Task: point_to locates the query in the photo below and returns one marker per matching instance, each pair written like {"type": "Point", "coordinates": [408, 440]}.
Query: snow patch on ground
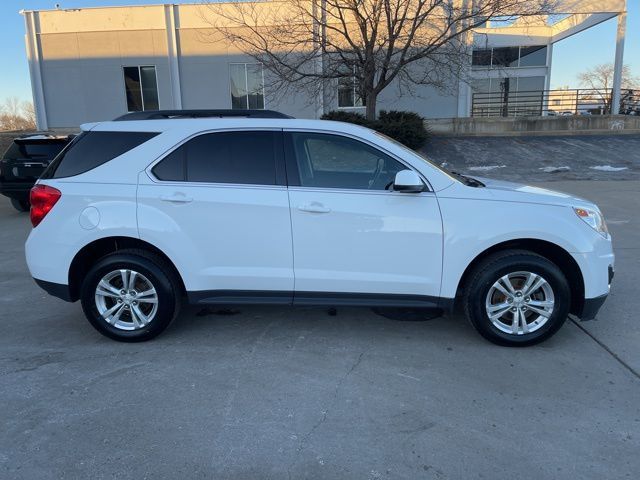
{"type": "Point", "coordinates": [608, 168]}
{"type": "Point", "coordinates": [554, 169]}
{"type": "Point", "coordinates": [485, 168]}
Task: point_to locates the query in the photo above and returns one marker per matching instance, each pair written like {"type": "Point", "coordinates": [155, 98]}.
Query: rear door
{"type": "Point", "coordinates": [218, 205]}
{"type": "Point", "coordinates": [353, 237]}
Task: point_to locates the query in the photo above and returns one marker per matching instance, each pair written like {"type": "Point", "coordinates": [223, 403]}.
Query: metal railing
{"type": "Point", "coordinates": [579, 101]}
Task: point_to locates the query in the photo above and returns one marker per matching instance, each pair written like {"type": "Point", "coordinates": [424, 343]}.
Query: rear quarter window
{"type": "Point", "coordinates": [92, 149]}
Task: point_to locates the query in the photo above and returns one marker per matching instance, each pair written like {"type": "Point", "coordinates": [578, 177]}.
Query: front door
{"type": "Point", "coordinates": [353, 237]}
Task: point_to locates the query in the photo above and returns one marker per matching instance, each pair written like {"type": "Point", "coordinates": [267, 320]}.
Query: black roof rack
{"type": "Point", "coordinates": [169, 114]}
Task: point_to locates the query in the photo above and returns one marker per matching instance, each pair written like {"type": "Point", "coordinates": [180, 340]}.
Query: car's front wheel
{"type": "Point", "coordinates": [517, 298]}
{"type": "Point", "coordinates": [130, 295]}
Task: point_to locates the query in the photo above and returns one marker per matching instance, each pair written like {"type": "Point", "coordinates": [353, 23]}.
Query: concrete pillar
{"type": "Point", "coordinates": [464, 99]}
{"type": "Point", "coordinates": [319, 39]}
{"type": "Point", "coordinates": [33, 57]}
{"type": "Point", "coordinates": [547, 81]}
{"type": "Point", "coordinates": [619, 62]}
{"type": "Point", "coordinates": [170, 14]}
{"type": "Point", "coordinates": [464, 89]}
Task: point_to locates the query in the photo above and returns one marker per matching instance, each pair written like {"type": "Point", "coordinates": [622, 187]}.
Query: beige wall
{"type": "Point", "coordinates": [82, 72]}
{"type": "Point", "coordinates": [82, 52]}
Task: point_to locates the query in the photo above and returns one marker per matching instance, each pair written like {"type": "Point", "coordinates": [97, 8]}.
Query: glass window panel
{"type": "Point", "coordinates": [533, 56]}
{"type": "Point", "coordinates": [149, 88]}
{"type": "Point", "coordinates": [332, 161]}
{"type": "Point", "coordinates": [505, 57]}
{"type": "Point", "coordinates": [41, 151]}
{"type": "Point", "coordinates": [255, 86]}
{"type": "Point", "coordinates": [481, 57]}
{"type": "Point", "coordinates": [232, 157]}
{"type": "Point", "coordinates": [346, 96]}
{"type": "Point", "coordinates": [91, 149]}
{"type": "Point", "coordinates": [481, 85]}
{"type": "Point", "coordinates": [531, 84]}
{"type": "Point", "coordinates": [237, 79]}
{"type": "Point", "coordinates": [132, 89]}
{"type": "Point", "coordinates": [528, 98]}
{"type": "Point", "coordinates": [171, 168]}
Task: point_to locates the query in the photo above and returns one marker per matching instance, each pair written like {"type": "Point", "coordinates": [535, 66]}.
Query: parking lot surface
{"type": "Point", "coordinates": [273, 393]}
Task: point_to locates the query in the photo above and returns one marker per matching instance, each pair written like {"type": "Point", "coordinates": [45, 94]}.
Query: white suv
{"type": "Point", "coordinates": [220, 207]}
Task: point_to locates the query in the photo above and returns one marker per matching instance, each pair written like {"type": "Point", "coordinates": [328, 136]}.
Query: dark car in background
{"type": "Point", "coordinates": [23, 163]}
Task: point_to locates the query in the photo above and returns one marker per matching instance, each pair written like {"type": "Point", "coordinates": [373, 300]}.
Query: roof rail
{"type": "Point", "coordinates": [170, 114]}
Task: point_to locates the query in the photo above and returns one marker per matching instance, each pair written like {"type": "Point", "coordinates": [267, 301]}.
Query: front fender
{"type": "Point", "coordinates": [472, 226]}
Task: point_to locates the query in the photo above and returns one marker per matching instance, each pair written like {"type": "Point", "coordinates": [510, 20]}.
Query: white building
{"type": "Point", "coordinates": [97, 63]}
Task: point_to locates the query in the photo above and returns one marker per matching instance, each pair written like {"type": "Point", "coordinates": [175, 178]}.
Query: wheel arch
{"type": "Point", "coordinates": [551, 251]}
{"type": "Point", "coordinates": [88, 255]}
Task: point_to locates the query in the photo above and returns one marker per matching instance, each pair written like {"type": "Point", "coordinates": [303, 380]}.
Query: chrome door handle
{"type": "Point", "coordinates": [314, 207]}
{"type": "Point", "coordinates": [176, 198]}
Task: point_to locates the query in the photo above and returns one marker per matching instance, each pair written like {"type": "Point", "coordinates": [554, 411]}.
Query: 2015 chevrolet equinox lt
{"type": "Point", "coordinates": [137, 214]}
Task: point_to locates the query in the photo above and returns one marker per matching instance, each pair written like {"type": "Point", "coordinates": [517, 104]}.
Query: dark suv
{"type": "Point", "coordinates": [23, 163]}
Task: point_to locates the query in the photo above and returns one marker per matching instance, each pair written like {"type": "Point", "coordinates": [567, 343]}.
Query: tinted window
{"type": "Point", "coordinates": [91, 149]}
{"type": "Point", "coordinates": [533, 56]}
{"type": "Point", "coordinates": [226, 157]}
{"type": "Point", "coordinates": [332, 161]}
{"type": "Point", "coordinates": [506, 56]}
{"type": "Point", "coordinates": [481, 57]}
{"type": "Point", "coordinates": [35, 150]}
{"type": "Point", "coordinates": [172, 167]}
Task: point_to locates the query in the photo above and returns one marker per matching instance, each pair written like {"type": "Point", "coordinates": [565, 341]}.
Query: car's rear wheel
{"type": "Point", "coordinates": [20, 205]}
{"type": "Point", "coordinates": [130, 295]}
{"type": "Point", "coordinates": [517, 298]}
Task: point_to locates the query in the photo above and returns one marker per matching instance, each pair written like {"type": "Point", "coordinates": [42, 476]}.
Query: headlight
{"type": "Point", "coordinates": [594, 219]}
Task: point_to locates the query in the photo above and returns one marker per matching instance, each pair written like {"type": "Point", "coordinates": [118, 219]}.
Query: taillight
{"type": "Point", "coordinates": [42, 199]}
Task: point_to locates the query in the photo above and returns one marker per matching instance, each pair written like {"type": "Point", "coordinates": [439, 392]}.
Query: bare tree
{"type": "Point", "coordinates": [29, 114]}
{"type": "Point", "coordinates": [599, 79]}
{"type": "Point", "coordinates": [17, 115]}
{"type": "Point", "coordinates": [305, 43]}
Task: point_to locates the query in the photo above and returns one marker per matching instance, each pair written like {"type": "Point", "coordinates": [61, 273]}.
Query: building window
{"type": "Point", "coordinates": [505, 57]}
{"type": "Point", "coordinates": [481, 58]}
{"type": "Point", "coordinates": [247, 85]}
{"type": "Point", "coordinates": [509, 57]}
{"type": "Point", "coordinates": [141, 88]}
{"type": "Point", "coordinates": [349, 93]}
{"type": "Point", "coordinates": [533, 56]}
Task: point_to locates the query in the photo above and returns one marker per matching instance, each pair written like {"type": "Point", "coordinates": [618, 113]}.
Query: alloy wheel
{"type": "Point", "coordinates": [520, 302]}
{"type": "Point", "coordinates": [126, 299]}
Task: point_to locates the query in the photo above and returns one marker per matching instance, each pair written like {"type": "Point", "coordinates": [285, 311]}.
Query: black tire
{"type": "Point", "coordinates": [156, 271]}
{"type": "Point", "coordinates": [483, 277]}
{"type": "Point", "coordinates": [21, 205]}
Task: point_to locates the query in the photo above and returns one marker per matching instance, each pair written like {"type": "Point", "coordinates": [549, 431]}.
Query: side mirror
{"type": "Point", "coordinates": [408, 181]}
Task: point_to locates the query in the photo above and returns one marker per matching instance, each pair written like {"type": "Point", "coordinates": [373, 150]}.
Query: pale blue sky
{"type": "Point", "coordinates": [570, 56]}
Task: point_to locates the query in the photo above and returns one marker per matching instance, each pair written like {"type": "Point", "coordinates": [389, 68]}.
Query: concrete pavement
{"type": "Point", "coordinates": [273, 393]}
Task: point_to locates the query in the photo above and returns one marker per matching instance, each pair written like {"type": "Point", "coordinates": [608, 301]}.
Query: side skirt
{"type": "Point", "coordinates": [335, 299]}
